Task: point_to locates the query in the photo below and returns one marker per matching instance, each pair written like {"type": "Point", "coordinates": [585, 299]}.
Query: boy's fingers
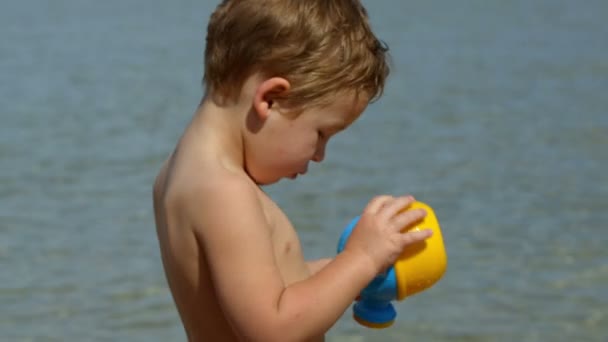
{"type": "Point", "coordinates": [377, 202]}
{"type": "Point", "coordinates": [416, 236]}
{"type": "Point", "coordinates": [408, 218]}
{"type": "Point", "coordinates": [398, 204]}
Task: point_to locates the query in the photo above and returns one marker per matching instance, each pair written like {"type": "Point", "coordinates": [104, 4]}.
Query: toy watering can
{"type": "Point", "coordinates": [419, 267]}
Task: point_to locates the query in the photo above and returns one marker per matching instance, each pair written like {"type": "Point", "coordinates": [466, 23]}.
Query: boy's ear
{"type": "Point", "coordinates": [265, 94]}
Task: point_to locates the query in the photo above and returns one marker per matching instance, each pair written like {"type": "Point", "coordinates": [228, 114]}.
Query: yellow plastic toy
{"type": "Point", "coordinates": [417, 268]}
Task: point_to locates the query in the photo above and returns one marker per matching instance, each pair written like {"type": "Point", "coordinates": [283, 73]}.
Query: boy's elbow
{"type": "Point", "coordinates": [289, 320]}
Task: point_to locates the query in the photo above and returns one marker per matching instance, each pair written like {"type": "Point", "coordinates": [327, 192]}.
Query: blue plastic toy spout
{"type": "Point", "coordinates": [374, 308]}
{"type": "Point", "coordinates": [374, 314]}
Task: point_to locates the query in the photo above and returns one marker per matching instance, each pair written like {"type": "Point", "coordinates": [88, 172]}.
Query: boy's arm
{"type": "Point", "coordinates": [315, 266]}
{"type": "Point", "coordinates": [233, 232]}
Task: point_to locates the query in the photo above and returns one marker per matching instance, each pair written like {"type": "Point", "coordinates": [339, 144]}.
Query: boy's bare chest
{"type": "Point", "coordinates": [286, 244]}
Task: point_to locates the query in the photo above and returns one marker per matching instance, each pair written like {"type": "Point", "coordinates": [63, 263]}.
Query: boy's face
{"type": "Point", "coordinates": [284, 146]}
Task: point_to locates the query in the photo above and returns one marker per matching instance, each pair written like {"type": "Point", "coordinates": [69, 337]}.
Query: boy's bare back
{"type": "Point", "coordinates": [282, 77]}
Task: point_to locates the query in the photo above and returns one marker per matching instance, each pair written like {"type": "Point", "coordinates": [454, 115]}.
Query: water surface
{"type": "Point", "coordinates": [495, 114]}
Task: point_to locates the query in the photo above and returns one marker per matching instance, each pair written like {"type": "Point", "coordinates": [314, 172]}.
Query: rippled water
{"type": "Point", "coordinates": [495, 114]}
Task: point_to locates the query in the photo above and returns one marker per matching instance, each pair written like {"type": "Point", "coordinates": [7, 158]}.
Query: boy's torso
{"type": "Point", "coordinates": [187, 271]}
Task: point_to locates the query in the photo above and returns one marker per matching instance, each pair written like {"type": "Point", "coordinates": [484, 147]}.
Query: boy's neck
{"type": "Point", "coordinates": [222, 128]}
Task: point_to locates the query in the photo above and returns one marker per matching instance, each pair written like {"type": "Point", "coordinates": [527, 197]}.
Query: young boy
{"type": "Point", "coordinates": [282, 77]}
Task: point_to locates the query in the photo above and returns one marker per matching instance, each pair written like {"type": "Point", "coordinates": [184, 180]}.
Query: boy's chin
{"type": "Point", "coordinates": [290, 177]}
{"type": "Point", "coordinates": [262, 182]}
{"type": "Point", "coordinates": [270, 181]}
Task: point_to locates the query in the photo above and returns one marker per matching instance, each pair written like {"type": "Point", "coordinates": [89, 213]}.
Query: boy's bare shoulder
{"type": "Point", "coordinates": [205, 183]}
{"type": "Point", "coordinates": [202, 194]}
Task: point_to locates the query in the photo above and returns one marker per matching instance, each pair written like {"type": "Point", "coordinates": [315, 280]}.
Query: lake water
{"type": "Point", "coordinates": [496, 114]}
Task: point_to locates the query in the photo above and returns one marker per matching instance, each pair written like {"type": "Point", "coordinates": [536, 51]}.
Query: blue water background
{"type": "Point", "coordinates": [496, 114]}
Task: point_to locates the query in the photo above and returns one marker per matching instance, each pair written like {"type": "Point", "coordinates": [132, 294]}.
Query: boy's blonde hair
{"type": "Point", "coordinates": [322, 47]}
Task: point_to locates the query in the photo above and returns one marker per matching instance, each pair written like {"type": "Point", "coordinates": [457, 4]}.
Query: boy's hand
{"type": "Point", "coordinates": [378, 233]}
